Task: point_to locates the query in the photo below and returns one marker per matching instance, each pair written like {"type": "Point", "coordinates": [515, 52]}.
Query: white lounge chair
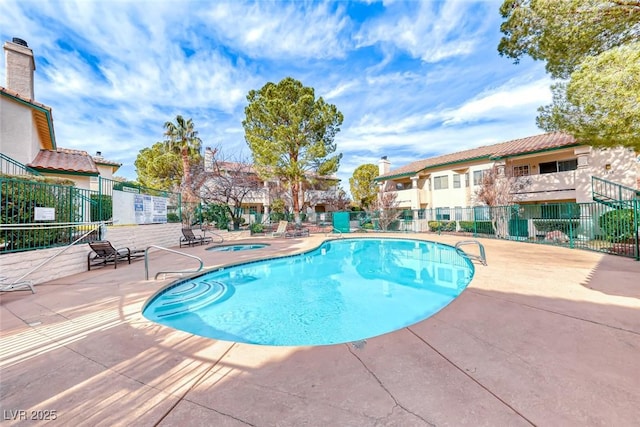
{"type": "Point", "coordinates": [281, 230]}
{"type": "Point", "coordinates": [7, 285]}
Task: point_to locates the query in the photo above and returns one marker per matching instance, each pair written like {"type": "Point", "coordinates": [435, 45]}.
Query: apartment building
{"type": "Point", "coordinates": [27, 136]}
{"type": "Point", "coordinates": [554, 167]}
{"type": "Point", "coordinates": [258, 194]}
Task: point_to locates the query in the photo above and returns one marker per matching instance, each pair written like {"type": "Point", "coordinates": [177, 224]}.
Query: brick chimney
{"type": "Point", "coordinates": [384, 165]}
{"type": "Point", "coordinates": [20, 67]}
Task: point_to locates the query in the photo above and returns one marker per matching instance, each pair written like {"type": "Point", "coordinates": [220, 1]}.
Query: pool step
{"type": "Point", "coordinates": [191, 296]}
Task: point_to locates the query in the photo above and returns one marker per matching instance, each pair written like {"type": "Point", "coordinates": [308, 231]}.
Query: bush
{"type": "Point", "coordinates": [173, 217]}
{"type": "Point", "coordinates": [482, 227]}
{"type": "Point", "coordinates": [568, 227]}
{"type": "Point", "coordinates": [442, 226]}
{"type": "Point", "coordinates": [101, 207]}
{"type": "Point", "coordinates": [256, 228]}
{"type": "Point", "coordinates": [618, 225]}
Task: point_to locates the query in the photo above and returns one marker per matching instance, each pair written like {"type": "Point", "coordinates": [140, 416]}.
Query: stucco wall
{"type": "Point", "coordinates": [74, 260]}
{"type": "Point", "coordinates": [18, 135]}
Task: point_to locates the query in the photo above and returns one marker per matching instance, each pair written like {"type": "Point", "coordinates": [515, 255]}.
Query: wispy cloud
{"type": "Point", "coordinates": [413, 79]}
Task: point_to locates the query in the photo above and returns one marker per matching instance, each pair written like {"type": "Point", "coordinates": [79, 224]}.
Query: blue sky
{"type": "Point", "coordinates": [413, 79]}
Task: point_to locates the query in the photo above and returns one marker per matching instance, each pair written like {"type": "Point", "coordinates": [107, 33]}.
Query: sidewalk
{"type": "Point", "coordinates": [543, 335]}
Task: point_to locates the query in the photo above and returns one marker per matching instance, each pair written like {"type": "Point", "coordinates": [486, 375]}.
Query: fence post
{"type": "Point", "coordinates": [100, 216]}
{"type": "Point", "coordinates": [636, 223]}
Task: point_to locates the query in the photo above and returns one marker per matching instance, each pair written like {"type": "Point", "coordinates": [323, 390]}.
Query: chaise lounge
{"type": "Point", "coordinates": [103, 253]}
{"type": "Point", "coordinates": [188, 238]}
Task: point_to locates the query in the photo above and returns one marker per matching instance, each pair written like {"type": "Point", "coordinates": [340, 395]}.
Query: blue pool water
{"type": "Point", "coordinates": [240, 247]}
{"type": "Point", "coordinates": [345, 290]}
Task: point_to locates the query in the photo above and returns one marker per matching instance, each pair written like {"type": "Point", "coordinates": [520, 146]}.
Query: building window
{"type": "Point", "coordinates": [521, 170]}
{"type": "Point", "coordinates": [443, 214]}
{"type": "Point", "coordinates": [561, 166]}
{"type": "Point", "coordinates": [478, 176]}
{"type": "Point", "coordinates": [401, 186]}
{"type": "Point", "coordinates": [456, 180]}
{"type": "Point", "coordinates": [441, 182]}
{"type": "Point", "coordinates": [466, 179]}
{"type": "Point", "coordinates": [458, 213]}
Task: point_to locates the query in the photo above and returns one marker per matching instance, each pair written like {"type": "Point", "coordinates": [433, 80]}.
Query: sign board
{"type": "Point", "coordinates": [132, 208]}
{"type": "Point", "coordinates": [130, 190]}
{"type": "Point", "coordinates": [44, 214]}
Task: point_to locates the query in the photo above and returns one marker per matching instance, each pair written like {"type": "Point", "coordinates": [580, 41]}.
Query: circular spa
{"type": "Point", "coordinates": [345, 290]}
{"type": "Point", "coordinates": [237, 247]}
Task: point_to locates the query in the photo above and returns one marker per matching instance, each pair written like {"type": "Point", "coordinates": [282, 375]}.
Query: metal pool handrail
{"type": "Point", "coordinates": [333, 230]}
{"type": "Point", "coordinates": [146, 262]}
{"type": "Point", "coordinates": [481, 257]}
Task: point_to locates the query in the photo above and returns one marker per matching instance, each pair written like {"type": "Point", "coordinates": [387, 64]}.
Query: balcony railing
{"type": "Point", "coordinates": [549, 182]}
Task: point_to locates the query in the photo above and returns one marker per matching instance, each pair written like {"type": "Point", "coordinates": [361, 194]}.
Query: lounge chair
{"type": "Point", "coordinates": [103, 253]}
{"type": "Point", "coordinates": [281, 230]}
{"type": "Point", "coordinates": [188, 238]}
{"type": "Point", "coordinates": [7, 285]}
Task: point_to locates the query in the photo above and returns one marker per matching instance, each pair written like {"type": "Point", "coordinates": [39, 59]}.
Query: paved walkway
{"type": "Point", "coordinates": [542, 336]}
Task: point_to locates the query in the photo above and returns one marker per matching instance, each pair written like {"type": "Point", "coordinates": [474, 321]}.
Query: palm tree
{"type": "Point", "coordinates": [183, 139]}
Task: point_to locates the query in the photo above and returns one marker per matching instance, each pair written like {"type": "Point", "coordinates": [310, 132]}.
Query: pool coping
{"type": "Point", "coordinates": [541, 336]}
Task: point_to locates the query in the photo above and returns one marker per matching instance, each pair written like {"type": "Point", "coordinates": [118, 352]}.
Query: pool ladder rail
{"type": "Point", "coordinates": [146, 262]}
{"type": "Point", "coordinates": [481, 256]}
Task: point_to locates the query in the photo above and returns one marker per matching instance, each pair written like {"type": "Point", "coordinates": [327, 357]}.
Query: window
{"type": "Point", "coordinates": [568, 165]}
{"type": "Point", "coordinates": [456, 180]}
{"type": "Point", "coordinates": [466, 179]}
{"type": "Point", "coordinates": [458, 213]}
{"type": "Point", "coordinates": [561, 166]}
{"type": "Point", "coordinates": [521, 170]}
{"type": "Point", "coordinates": [443, 214]}
{"type": "Point", "coordinates": [479, 175]}
{"type": "Point", "coordinates": [400, 186]}
{"type": "Point", "coordinates": [441, 182]}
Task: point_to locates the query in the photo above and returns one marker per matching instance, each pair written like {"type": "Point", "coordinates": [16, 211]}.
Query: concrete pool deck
{"type": "Point", "coordinates": [542, 336]}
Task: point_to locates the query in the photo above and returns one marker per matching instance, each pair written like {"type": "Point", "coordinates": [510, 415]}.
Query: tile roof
{"type": "Point", "coordinates": [65, 160]}
{"type": "Point", "coordinates": [102, 161]}
{"type": "Point", "coordinates": [530, 144]}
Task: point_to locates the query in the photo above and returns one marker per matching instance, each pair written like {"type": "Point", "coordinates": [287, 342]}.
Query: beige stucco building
{"type": "Point", "coordinates": [27, 137]}
{"type": "Point", "coordinates": [555, 166]}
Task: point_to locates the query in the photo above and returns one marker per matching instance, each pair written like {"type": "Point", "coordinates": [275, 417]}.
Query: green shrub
{"type": "Point", "coordinates": [482, 227]}
{"type": "Point", "coordinates": [101, 207]}
{"type": "Point", "coordinates": [566, 226]}
{"type": "Point", "coordinates": [442, 226]}
{"type": "Point", "coordinates": [173, 217]}
{"type": "Point", "coordinates": [618, 225]}
{"type": "Point", "coordinates": [18, 200]}
{"type": "Point", "coordinates": [256, 228]}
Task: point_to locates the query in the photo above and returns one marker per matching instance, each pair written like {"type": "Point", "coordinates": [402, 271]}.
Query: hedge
{"type": "Point", "coordinates": [618, 225]}
{"type": "Point", "coordinates": [442, 225]}
{"type": "Point", "coordinates": [482, 227]}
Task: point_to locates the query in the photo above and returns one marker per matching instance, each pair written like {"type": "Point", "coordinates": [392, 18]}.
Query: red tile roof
{"type": "Point", "coordinates": [515, 147]}
{"type": "Point", "coordinates": [65, 160]}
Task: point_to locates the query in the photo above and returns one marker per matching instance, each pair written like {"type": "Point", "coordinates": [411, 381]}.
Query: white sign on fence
{"type": "Point", "coordinates": [44, 214]}
{"type": "Point", "coordinates": [130, 208]}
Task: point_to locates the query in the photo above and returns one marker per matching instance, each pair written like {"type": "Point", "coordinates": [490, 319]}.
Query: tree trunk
{"type": "Point", "coordinates": [295, 186]}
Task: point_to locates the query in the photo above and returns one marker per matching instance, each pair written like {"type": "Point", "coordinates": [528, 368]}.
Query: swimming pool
{"type": "Point", "coordinates": [238, 247]}
{"type": "Point", "coordinates": [345, 290]}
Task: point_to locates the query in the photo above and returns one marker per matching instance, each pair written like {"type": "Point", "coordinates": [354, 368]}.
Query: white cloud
{"type": "Point", "coordinates": [429, 30]}
{"type": "Point", "coordinates": [414, 80]}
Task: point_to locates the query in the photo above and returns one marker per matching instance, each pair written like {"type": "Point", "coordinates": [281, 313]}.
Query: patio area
{"type": "Point", "coordinates": [542, 336]}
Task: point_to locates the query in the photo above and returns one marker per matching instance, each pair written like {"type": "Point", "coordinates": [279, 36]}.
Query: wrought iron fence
{"type": "Point", "coordinates": [36, 215]}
